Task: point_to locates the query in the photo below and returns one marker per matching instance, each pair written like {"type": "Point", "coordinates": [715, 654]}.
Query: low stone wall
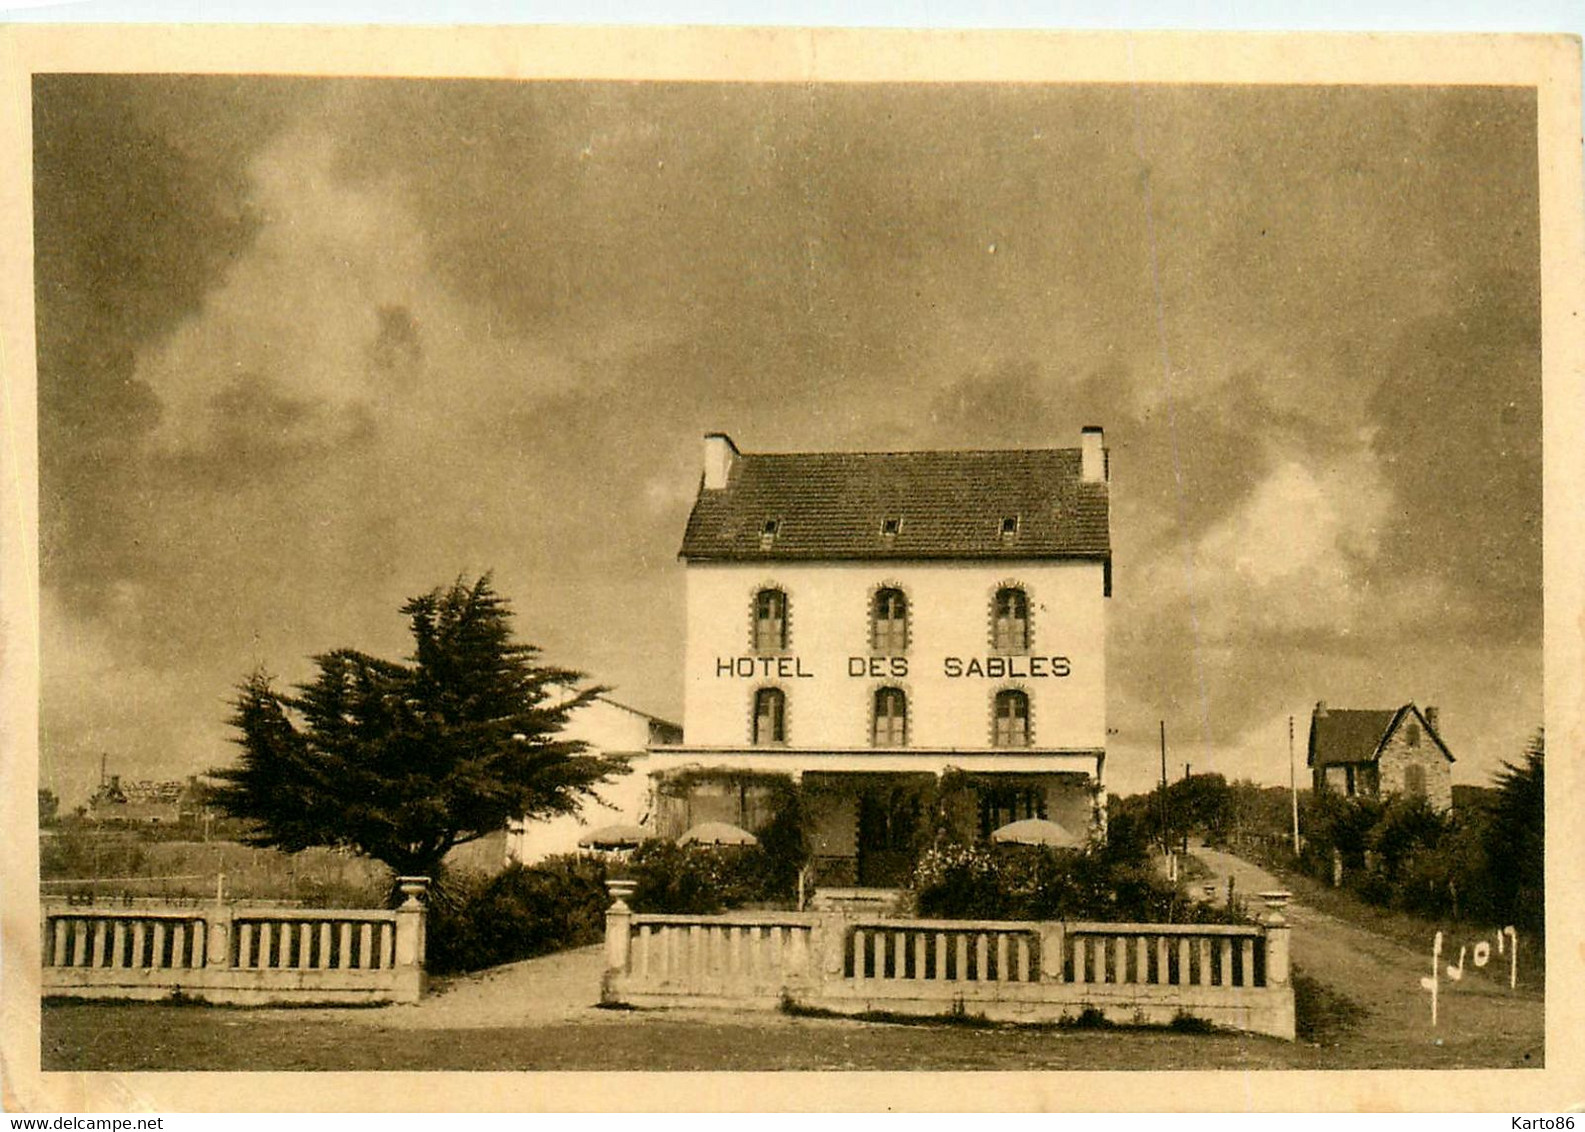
{"type": "Point", "coordinates": [238, 954]}
{"type": "Point", "coordinates": [1234, 976]}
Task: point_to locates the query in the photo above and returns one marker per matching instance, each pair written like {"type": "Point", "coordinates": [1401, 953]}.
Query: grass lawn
{"type": "Point", "coordinates": [134, 1037]}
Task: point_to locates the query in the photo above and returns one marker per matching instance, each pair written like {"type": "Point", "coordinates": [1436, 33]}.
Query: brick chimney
{"type": "Point", "coordinates": [1432, 718]}
{"type": "Point", "coordinates": [1092, 454]}
{"type": "Point", "coordinates": [719, 454]}
{"type": "Point", "coordinates": [1320, 709]}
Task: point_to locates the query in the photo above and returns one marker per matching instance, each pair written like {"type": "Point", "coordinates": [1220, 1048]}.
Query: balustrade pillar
{"type": "Point", "coordinates": [407, 953]}
{"type": "Point", "coordinates": [618, 924]}
{"type": "Point", "coordinates": [1051, 946]}
{"type": "Point", "coordinates": [828, 940]}
{"type": "Point", "coordinates": [218, 951]}
{"type": "Point", "coordinates": [1277, 930]}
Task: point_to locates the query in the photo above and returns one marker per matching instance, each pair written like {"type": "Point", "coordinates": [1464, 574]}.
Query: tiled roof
{"type": "Point", "coordinates": [949, 505]}
{"type": "Point", "coordinates": [1344, 735]}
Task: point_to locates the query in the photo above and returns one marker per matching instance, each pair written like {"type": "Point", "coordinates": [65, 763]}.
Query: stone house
{"type": "Point", "coordinates": [1379, 753]}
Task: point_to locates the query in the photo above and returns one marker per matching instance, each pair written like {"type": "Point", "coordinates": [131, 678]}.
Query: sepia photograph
{"type": "Point", "coordinates": [761, 560]}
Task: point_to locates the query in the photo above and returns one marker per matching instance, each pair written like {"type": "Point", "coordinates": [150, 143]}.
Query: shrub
{"type": "Point", "coordinates": [1038, 883]}
{"type": "Point", "coordinates": [1471, 890]}
{"type": "Point", "coordinates": [958, 882]}
{"type": "Point", "coordinates": [1406, 825]}
{"type": "Point", "coordinates": [700, 879]}
{"type": "Point", "coordinates": [1090, 1018]}
{"type": "Point", "coordinates": [1341, 824]}
{"type": "Point", "coordinates": [477, 921]}
{"type": "Point", "coordinates": [1374, 887]}
{"type": "Point", "coordinates": [673, 878]}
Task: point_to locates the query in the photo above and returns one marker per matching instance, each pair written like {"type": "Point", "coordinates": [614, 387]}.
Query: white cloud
{"type": "Point", "coordinates": [1301, 527]}
{"type": "Point", "coordinates": [1293, 557]}
{"type": "Point", "coordinates": [300, 312]}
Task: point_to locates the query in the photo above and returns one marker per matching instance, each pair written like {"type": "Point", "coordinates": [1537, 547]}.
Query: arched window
{"type": "Point", "coordinates": [1010, 622]}
{"type": "Point", "coordinates": [889, 622]}
{"type": "Point", "coordinates": [770, 716]}
{"type": "Point", "coordinates": [1012, 719]}
{"type": "Point", "coordinates": [891, 718]}
{"type": "Point", "coordinates": [770, 621]}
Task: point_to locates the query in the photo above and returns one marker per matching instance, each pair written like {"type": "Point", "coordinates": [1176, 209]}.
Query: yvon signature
{"type": "Point", "coordinates": [1507, 944]}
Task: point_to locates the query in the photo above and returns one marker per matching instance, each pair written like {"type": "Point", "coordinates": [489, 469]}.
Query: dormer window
{"type": "Point", "coordinates": [1009, 526]}
{"type": "Point", "coordinates": [768, 532]}
{"type": "Point", "coordinates": [890, 526]}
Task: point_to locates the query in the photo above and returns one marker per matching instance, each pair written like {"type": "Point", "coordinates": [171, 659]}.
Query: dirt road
{"type": "Point", "coordinates": [1480, 1020]}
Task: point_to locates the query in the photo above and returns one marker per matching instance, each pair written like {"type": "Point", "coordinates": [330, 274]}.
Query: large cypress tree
{"type": "Point", "coordinates": [405, 761]}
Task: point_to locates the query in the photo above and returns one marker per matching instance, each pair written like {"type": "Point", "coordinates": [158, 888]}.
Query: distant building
{"type": "Point", "coordinates": [145, 802]}
{"type": "Point", "coordinates": [1379, 753]}
{"type": "Point", "coordinates": [611, 729]}
{"type": "Point", "coordinates": [863, 622]}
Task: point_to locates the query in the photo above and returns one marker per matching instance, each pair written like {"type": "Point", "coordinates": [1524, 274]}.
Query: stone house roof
{"type": "Point", "coordinates": [1343, 736]}
{"type": "Point", "coordinates": [989, 504]}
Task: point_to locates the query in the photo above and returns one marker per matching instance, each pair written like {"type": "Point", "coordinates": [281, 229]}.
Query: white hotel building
{"type": "Point", "coordinates": [862, 622]}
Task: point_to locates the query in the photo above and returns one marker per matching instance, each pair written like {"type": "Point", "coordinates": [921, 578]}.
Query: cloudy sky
{"type": "Point", "coordinates": [307, 348]}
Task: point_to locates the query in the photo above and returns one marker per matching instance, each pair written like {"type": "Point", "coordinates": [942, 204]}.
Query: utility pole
{"type": "Point", "coordinates": [1293, 788]}
{"type": "Point", "coordinates": [1188, 800]}
{"type": "Point", "coordinates": [1163, 724]}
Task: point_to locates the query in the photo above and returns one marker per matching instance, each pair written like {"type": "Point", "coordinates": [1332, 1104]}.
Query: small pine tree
{"type": "Point", "coordinates": [405, 761]}
{"type": "Point", "coordinates": [1516, 837]}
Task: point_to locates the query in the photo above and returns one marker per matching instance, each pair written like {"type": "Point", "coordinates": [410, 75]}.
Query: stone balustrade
{"type": "Point", "coordinates": [1233, 975]}
{"type": "Point", "coordinates": [237, 953]}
